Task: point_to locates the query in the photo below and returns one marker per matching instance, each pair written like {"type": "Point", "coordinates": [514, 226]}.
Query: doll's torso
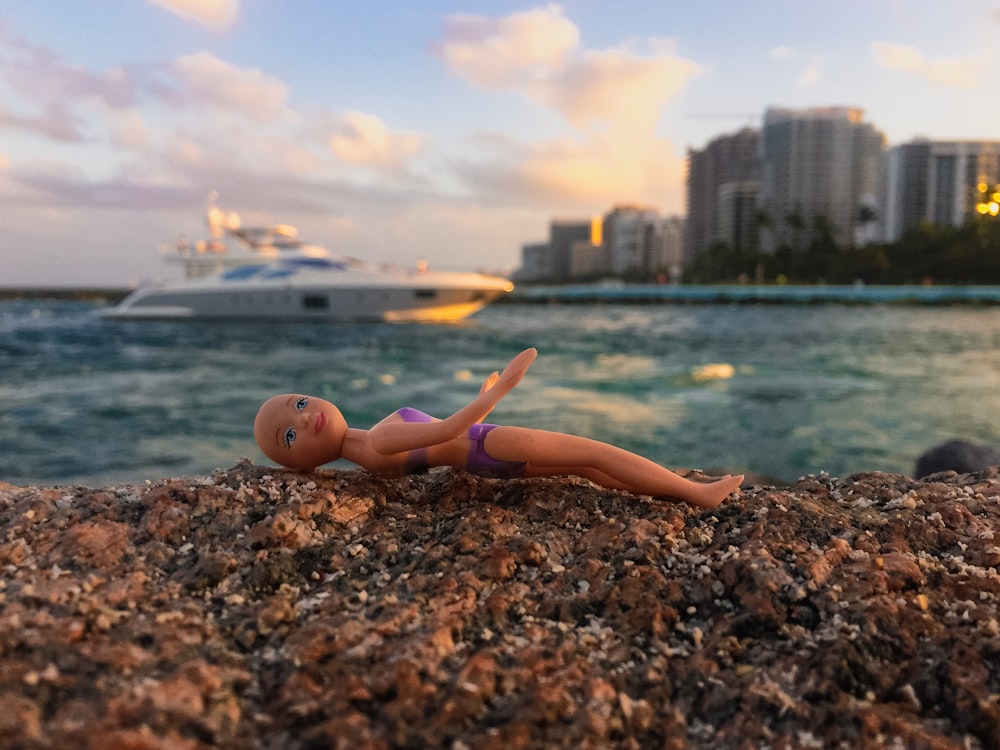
{"type": "Point", "coordinates": [477, 460]}
{"type": "Point", "coordinates": [416, 461]}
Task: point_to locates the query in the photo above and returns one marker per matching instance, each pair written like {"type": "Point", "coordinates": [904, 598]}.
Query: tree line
{"type": "Point", "coordinates": [928, 253]}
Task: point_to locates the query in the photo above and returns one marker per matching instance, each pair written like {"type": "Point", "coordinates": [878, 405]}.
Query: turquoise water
{"type": "Point", "coordinates": [813, 388]}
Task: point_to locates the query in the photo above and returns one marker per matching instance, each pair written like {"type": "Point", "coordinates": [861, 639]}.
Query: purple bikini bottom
{"type": "Point", "coordinates": [482, 463]}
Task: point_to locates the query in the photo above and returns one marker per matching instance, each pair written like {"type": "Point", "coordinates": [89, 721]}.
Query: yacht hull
{"type": "Point", "coordinates": [311, 302]}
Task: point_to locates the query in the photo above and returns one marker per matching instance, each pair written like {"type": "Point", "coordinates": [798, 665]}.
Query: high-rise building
{"type": "Point", "coordinates": [627, 238]}
{"type": "Point", "coordinates": [725, 162]}
{"type": "Point", "coordinates": [563, 235]}
{"type": "Point", "coordinates": [736, 221]}
{"type": "Point", "coordinates": [536, 262]}
{"type": "Point", "coordinates": [666, 247]}
{"type": "Point", "coordinates": [819, 164]}
{"type": "Point", "coordinates": [574, 250]}
{"type": "Point", "coordinates": [587, 260]}
{"type": "Point", "coordinates": [936, 181]}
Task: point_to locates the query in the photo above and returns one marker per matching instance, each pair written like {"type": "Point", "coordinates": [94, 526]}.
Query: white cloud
{"type": "Point", "coordinates": [215, 83]}
{"type": "Point", "coordinates": [56, 122]}
{"type": "Point", "coordinates": [495, 53]}
{"type": "Point", "coordinates": [129, 130]}
{"type": "Point", "coordinates": [968, 73]}
{"type": "Point", "coordinates": [210, 149]}
{"type": "Point", "coordinates": [44, 95]}
{"type": "Point", "coordinates": [537, 53]}
{"type": "Point", "coordinates": [186, 118]}
{"type": "Point", "coordinates": [361, 138]}
{"type": "Point", "coordinates": [616, 85]}
{"type": "Point", "coordinates": [897, 56]}
{"type": "Point", "coordinates": [217, 15]}
{"type": "Point", "coordinates": [960, 73]}
{"type": "Point", "coordinates": [574, 174]}
{"type": "Point", "coordinates": [811, 75]}
{"type": "Point", "coordinates": [605, 171]}
{"type": "Point", "coordinates": [781, 53]}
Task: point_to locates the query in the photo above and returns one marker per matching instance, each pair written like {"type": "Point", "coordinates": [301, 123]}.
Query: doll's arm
{"type": "Point", "coordinates": [491, 380]}
{"type": "Point", "coordinates": [389, 437]}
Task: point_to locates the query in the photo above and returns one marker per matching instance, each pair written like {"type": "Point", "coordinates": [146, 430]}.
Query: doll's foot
{"type": "Point", "coordinates": [711, 494]}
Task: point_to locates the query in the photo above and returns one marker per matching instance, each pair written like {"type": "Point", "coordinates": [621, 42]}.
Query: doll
{"type": "Point", "coordinates": [303, 432]}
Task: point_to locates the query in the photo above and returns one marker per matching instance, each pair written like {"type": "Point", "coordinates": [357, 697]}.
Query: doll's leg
{"type": "Point", "coordinates": [553, 453]}
{"type": "Point", "coordinates": [700, 494]}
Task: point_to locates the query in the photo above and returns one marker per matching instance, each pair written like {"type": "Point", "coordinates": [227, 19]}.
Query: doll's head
{"type": "Point", "coordinates": [300, 432]}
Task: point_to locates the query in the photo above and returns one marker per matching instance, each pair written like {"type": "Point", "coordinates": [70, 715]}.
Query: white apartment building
{"type": "Point", "coordinates": [819, 162]}
{"type": "Point", "coordinates": [626, 236]}
{"type": "Point", "coordinates": [935, 181]}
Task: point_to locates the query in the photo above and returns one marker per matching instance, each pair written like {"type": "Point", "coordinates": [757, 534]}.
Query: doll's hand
{"type": "Point", "coordinates": [489, 382]}
{"type": "Point", "coordinates": [516, 368]}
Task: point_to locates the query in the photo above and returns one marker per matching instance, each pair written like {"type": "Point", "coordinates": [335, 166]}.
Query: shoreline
{"type": "Point", "coordinates": [70, 294]}
{"type": "Point", "coordinates": [762, 294]}
{"type": "Point", "coordinates": [650, 294]}
{"type": "Point", "coordinates": [260, 608]}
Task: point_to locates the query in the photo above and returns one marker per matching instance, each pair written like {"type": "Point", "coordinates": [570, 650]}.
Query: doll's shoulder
{"type": "Point", "coordinates": [409, 414]}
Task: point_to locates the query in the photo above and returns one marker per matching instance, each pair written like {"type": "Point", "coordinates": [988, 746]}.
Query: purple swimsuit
{"type": "Point", "coordinates": [479, 462]}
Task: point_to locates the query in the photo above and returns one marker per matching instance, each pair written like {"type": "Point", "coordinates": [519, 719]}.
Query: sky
{"type": "Point", "coordinates": [430, 129]}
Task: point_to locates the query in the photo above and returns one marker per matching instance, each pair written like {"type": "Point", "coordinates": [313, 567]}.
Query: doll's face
{"type": "Point", "coordinates": [300, 432]}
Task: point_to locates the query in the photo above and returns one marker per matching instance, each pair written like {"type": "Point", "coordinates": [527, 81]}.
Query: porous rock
{"type": "Point", "coordinates": [260, 608]}
{"type": "Point", "coordinates": [960, 456]}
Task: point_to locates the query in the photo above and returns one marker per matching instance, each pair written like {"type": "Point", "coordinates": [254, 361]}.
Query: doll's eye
{"type": "Point", "coordinates": [301, 403]}
{"type": "Point", "coordinates": [289, 437]}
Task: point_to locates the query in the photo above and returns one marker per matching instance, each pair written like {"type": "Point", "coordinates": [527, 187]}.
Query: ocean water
{"type": "Point", "coordinates": [801, 389]}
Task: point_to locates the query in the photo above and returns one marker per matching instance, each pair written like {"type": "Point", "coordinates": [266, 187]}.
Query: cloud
{"type": "Point", "coordinates": [575, 174]}
{"type": "Point", "coordinates": [55, 122]}
{"type": "Point", "coordinates": [897, 56]}
{"type": "Point", "coordinates": [129, 130]}
{"type": "Point", "coordinates": [497, 53]}
{"type": "Point", "coordinates": [603, 172]}
{"type": "Point", "coordinates": [618, 85]}
{"type": "Point", "coordinates": [217, 15]}
{"type": "Point", "coordinates": [612, 98]}
{"type": "Point", "coordinates": [781, 53]}
{"type": "Point", "coordinates": [183, 118]}
{"type": "Point", "coordinates": [967, 73]}
{"type": "Point", "coordinates": [811, 75]}
{"type": "Point", "coordinates": [364, 139]}
{"type": "Point", "coordinates": [538, 54]}
{"type": "Point", "coordinates": [42, 75]}
{"type": "Point", "coordinates": [215, 83]}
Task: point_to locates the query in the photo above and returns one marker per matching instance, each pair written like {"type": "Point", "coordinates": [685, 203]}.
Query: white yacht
{"type": "Point", "coordinates": [270, 273]}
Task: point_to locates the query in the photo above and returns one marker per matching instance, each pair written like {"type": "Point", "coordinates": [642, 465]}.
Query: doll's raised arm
{"type": "Point", "coordinates": [398, 437]}
{"type": "Point", "coordinates": [491, 380]}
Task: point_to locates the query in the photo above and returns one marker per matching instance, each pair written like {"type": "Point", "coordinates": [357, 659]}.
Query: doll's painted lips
{"type": "Point", "coordinates": [320, 423]}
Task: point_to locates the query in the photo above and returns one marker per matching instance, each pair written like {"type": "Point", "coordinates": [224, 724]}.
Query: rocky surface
{"type": "Point", "coordinates": [267, 609]}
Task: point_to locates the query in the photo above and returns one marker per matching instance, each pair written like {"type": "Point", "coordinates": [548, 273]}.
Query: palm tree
{"type": "Point", "coordinates": [796, 223]}
{"type": "Point", "coordinates": [866, 215]}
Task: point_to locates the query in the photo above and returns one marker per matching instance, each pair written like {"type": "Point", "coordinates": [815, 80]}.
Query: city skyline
{"type": "Point", "coordinates": [448, 131]}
